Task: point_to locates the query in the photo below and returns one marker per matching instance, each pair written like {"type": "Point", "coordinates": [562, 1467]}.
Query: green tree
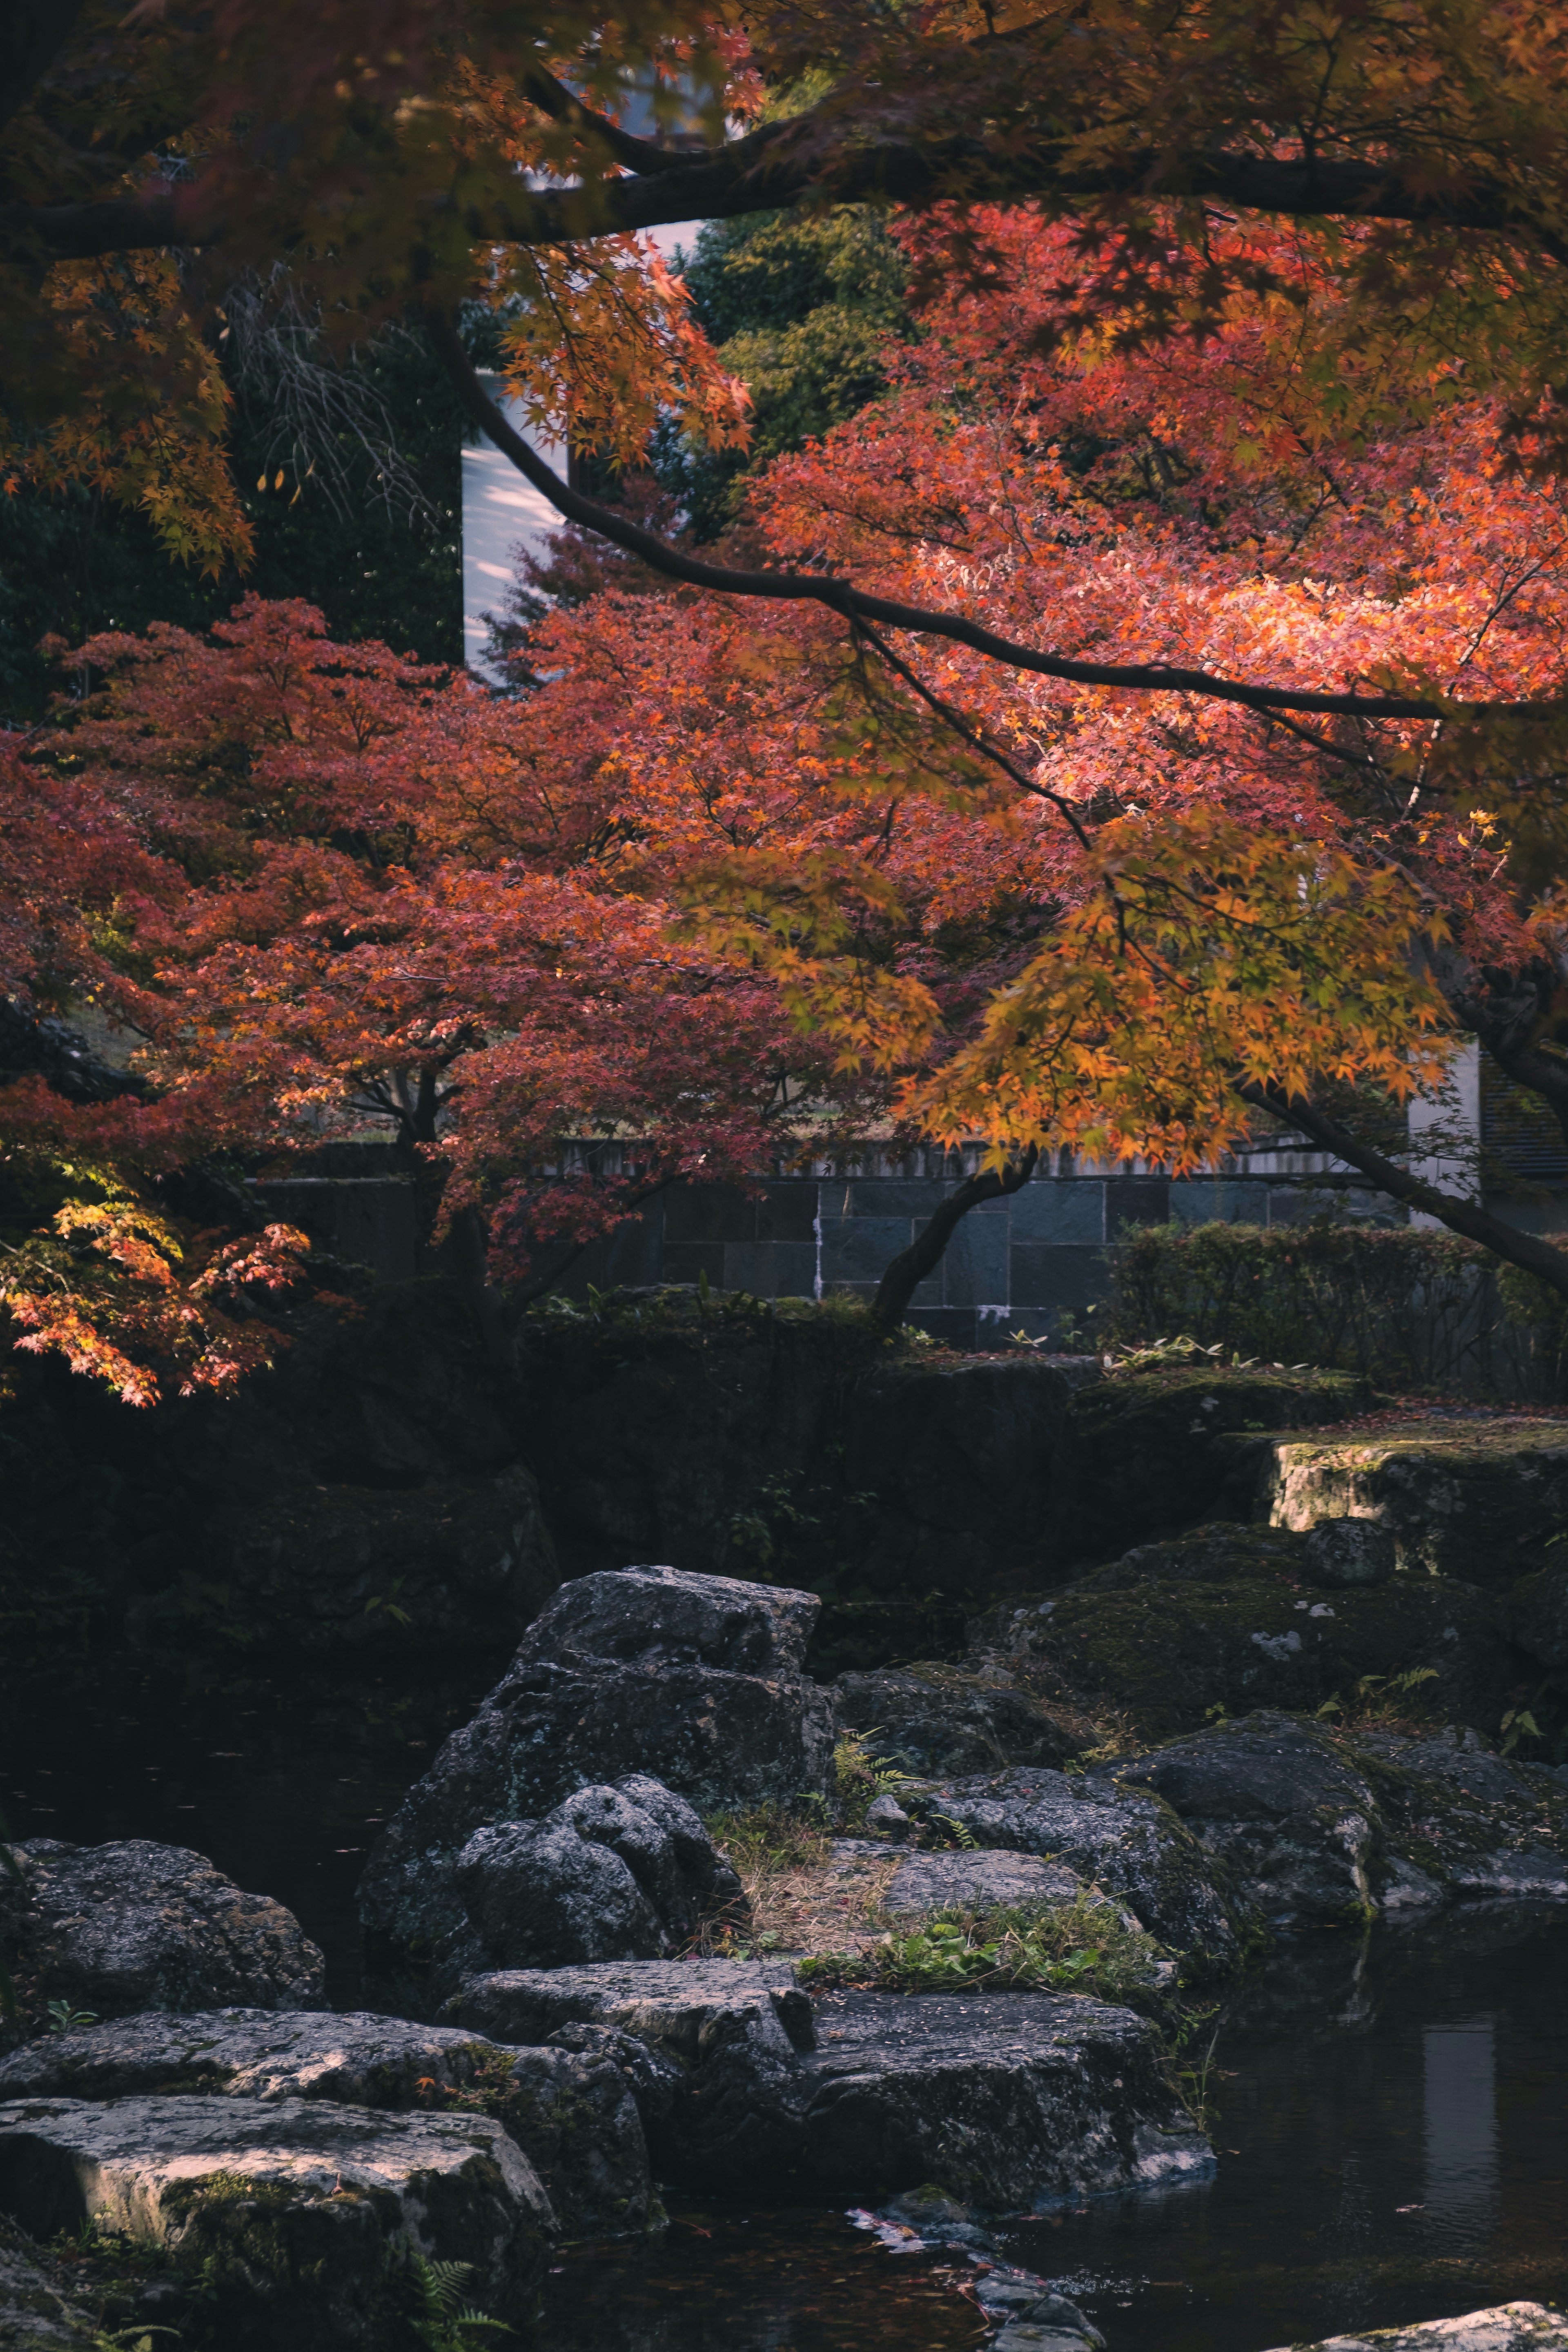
{"type": "Point", "coordinates": [800, 307]}
{"type": "Point", "coordinates": [374, 537]}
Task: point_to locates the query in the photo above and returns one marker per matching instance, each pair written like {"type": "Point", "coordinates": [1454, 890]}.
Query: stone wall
{"type": "Point", "coordinates": [1025, 1263]}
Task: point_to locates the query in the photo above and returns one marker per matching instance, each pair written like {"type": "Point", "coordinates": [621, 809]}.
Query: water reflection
{"type": "Point", "coordinates": [1461, 2128]}
{"type": "Point", "coordinates": [1393, 2139]}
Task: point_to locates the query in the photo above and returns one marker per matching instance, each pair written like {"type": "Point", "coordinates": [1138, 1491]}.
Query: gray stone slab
{"type": "Point", "coordinates": [709, 1212]}
{"type": "Point", "coordinates": [1135, 1201]}
{"type": "Point", "coordinates": [1203, 1200]}
{"type": "Point", "coordinates": [860, 1249]}
{"type": "Point", "coordinates": [1061, 1210]}
{"type": "Point", "coordinates": [787, 1210]}
{"type": "Point", "coordinates": [1046, 1276]}
{"type": "Point", "coordinates": [573, 2113]}
{"type": "Point", "coordinates": [679, 2004]}
{"type": "Point", "coordinates": [771, 1269]}
{"type": "Point", "coordinates": [894, 1196]}
{"type": "Point", "coordinates": [296, 2208]}
{"type": "Point", "coordinates": [690, 1261]}
{"type": "Point", "coordinates": [974, 1263]}
{"type": "Point", "coordinates": [933, 1882]}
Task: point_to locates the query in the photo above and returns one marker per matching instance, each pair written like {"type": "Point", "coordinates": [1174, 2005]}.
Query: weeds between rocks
{"type": "Point", "coordinates": [1085, 1946]}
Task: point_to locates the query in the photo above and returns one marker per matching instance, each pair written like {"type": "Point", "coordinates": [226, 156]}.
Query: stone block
{"type": "Point", "coordinates": [1227, 1201]}
{"type": "Point", "coordinates": [1061, 1278]}
{"type": "Point", "coordinates": [771, 1269]}
{"type": "Point", "coordinates": [709, 1212]}
{"type": "Point", "coordinates": [894, 1196]}
{"type": "Point", "coordinates": [787, 1210]}
{"type": "Point", "coordinates": [974, 1264]}
{"type": "Point", "coordinates": [690, 1261]}
{"type": "Point", "coordinates": [1060, 1209]}
{"type": "Point", "coordinates": [296, 2211]}
{"type": "Point", "coordinates": [1135, 1201]}
{"type": "Point", "coordinates": [859, 1249]}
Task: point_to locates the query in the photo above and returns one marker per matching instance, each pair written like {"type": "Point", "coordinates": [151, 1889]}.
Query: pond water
{"type": "Point", "coordinates": [1391, 2115]}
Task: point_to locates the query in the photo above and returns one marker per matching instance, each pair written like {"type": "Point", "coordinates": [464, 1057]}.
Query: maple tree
{"type": "Point", "coordinates": [439, 154]}
{"type": "Point", "coordinates": [1217, 908]}
{"type": "Point", "coordinates": [333, 884]}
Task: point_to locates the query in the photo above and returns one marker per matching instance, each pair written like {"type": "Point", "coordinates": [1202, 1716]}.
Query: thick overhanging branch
{"type": "Point", "coordinates": [1527, 1251]}
{"type": "Point", "coordinates": [855, 603]}
{"type": "Point", "coordinates": [780, 164]}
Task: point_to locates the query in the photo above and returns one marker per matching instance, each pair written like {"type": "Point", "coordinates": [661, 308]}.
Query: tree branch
{"type": "Point", "coordinates": [779, 164]}
{"type": "Point", "coordinates": [1515, 1248]}
{"type": "Point", "coordinates": [855, 604]}
{"type": "Point", "coordinates": [910, 1268]}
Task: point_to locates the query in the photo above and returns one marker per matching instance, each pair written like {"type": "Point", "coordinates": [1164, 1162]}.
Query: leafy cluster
{"type": "Point", "coordinates": [1085, 1946]}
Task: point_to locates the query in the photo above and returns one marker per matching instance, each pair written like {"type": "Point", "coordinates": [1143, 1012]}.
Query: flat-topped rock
{"type": "Point", "coordinates": [1504, 2327]}
{"type": "Point", "coordinates": [985, 1880]}
{"type": "Point", "coordinates": [134, 1925]}
{"type": "Point", "coordinates": [1124, 1839]}
{"type": "Point", "coordinates": [572, 2112]}
{"type": "Point", "coordinates": [667, 1616]}
{"type": "Point", "coordinates": [1009, 2098]}
{"type": "Point", "coordinates": [1480, 1501]}
{"type": "Point", "coordinates": [684, 2005]}
{"type": "Point", "coordinates": [297, 2211]}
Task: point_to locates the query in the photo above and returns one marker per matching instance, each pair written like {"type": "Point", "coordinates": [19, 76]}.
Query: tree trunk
{"type": "Point", "coordinates": [1528, 1250]}
{"type": "Point", "coordinates": [911, 1268]}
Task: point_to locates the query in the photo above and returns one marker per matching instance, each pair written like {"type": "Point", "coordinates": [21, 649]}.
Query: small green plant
{"type": "Point", "coordinates": [441, 2318]}
{"type": "Point", "coordinates": [1377, 1698]}
{"type": "Point", "coordinates": [769, 1839]}
{"type": "Point", "coordinates": [388, 1601]}
{"type": "Point", "coordinates": [1085, 1946]}
{"type": "Point", "coordinates": [64, 2019]}
{"type": "Point", "coordinates": [952, 1832]}
{"type": "Point", "coordinates": [1191, 2077]}
{"type": "Point", "coordinates": [860, 1777]}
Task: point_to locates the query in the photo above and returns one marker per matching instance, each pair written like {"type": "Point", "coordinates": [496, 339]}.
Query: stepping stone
{"type": "Point", "coordinates": [1505, 2327]}
{"type": "Point", "coordinates": [1009, 2100]}
{"type": "Point", "coordinates": [573, 2113]}
{"type": "Point", "coordinates": [302, 2212]}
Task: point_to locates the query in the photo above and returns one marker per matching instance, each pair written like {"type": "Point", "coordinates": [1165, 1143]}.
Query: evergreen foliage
{"type": "Point", "coordinates": [74, 564]}
{"type": "Point", "coordinates": [799, 306]}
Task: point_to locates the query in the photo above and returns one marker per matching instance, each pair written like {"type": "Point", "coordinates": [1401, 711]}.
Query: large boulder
{"type": "Point", "coordinates": [571, 2111]}
{"type": "Point", "coordinates": [1504, 2328]}
{"type": "Point", "coordinates": [1126, 1840]}
{"type": "Point", "coordinates": [693, 1681]}
{"type": "Point", "coordinates": [1229, 1618]}
{"type": "Point", "coordinates": [133, 1925]}
{"type": "Point", "coordinates": [1476, 1501]}
{"type": "Point", "coordinates": [298, 2213]}
{"type": "Point", "coordinates": [1008, 2099]}
{"type": "Point", "coordinates": [1318, 1828]}
{"type": "Point", "coordinates": [619, 1873]}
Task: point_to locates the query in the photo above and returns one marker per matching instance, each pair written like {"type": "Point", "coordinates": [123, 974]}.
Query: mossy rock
{"type": "Point", "coordinates": [1481, 1501]}
{"type": "Point", "coordinates": [1149, 1452]}
{"type": "Point", "coordinates": [1169, 1654]}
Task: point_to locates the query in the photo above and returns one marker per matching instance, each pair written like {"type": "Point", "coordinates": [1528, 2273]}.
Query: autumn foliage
{"type": "Point", "coordinates": [735, 885]}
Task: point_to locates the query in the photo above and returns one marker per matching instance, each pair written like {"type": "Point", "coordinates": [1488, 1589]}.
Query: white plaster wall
{"type": "Point", "coordinates": [502, 512]}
